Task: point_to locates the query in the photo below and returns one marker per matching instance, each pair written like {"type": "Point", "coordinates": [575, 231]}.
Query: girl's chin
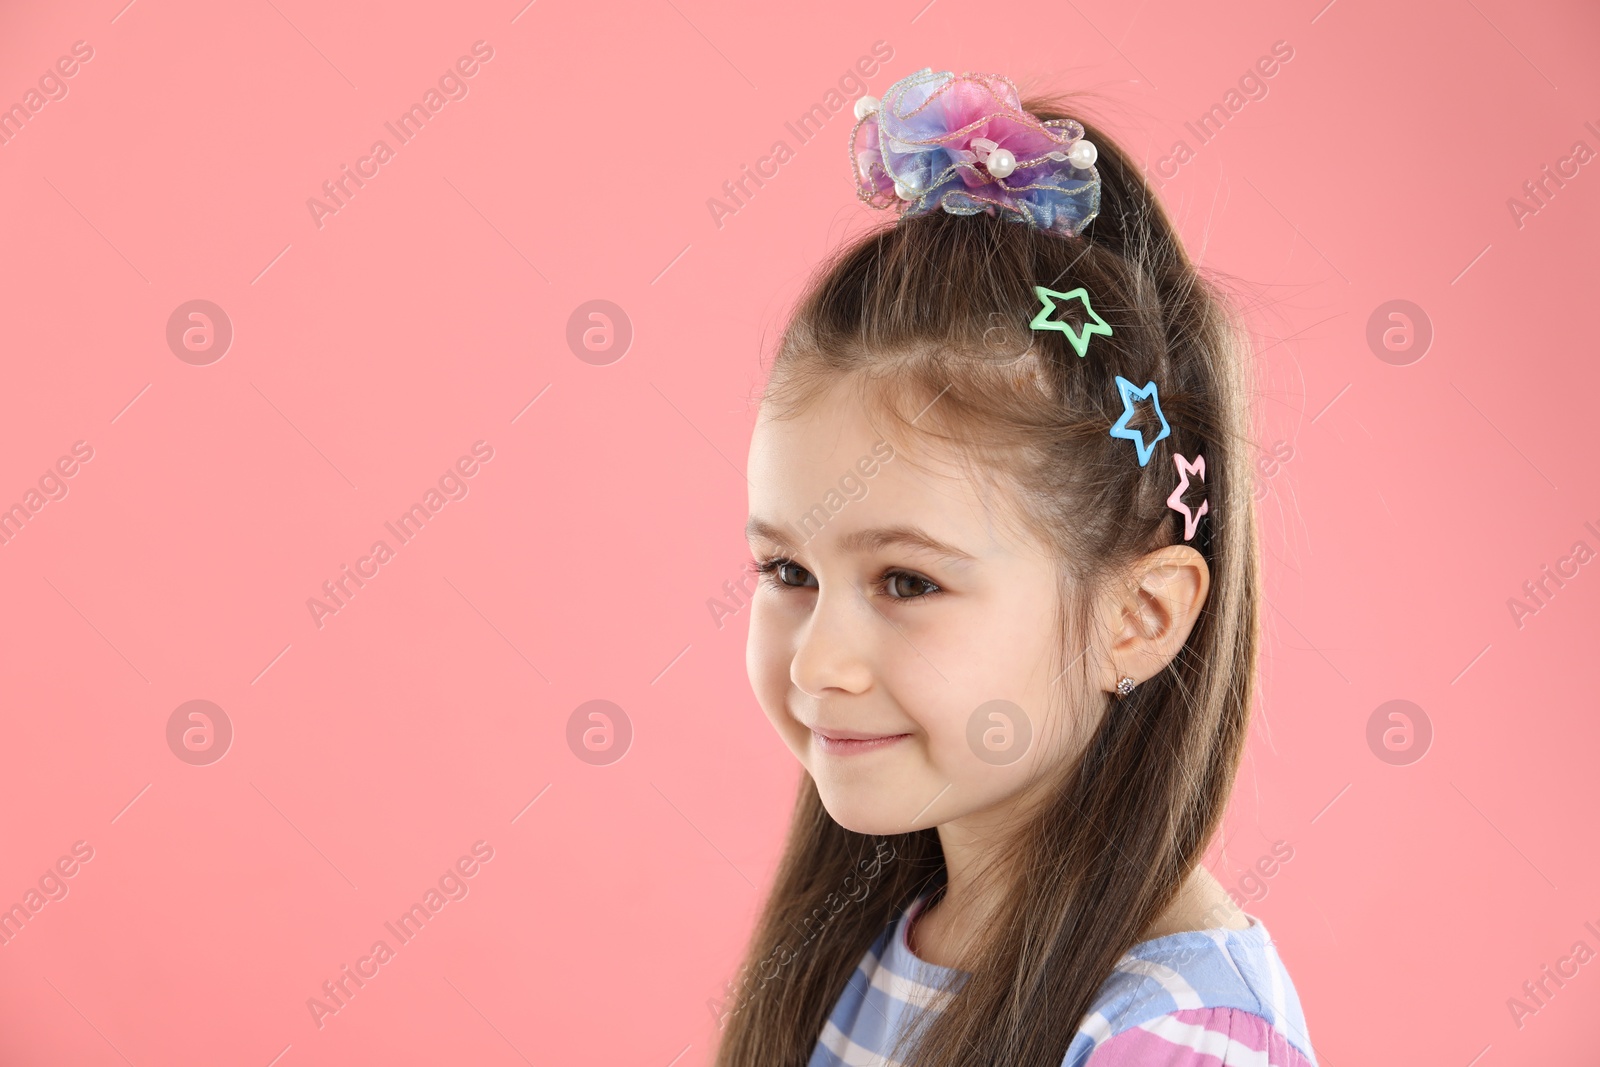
{"type": "Point", "coordinates": [872, 812]}
{"type": "Point", "coordinates": [866, 824]}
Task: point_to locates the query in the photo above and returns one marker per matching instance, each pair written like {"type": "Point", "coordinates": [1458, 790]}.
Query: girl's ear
{"type": "Point", "coordinates": [1148, 615]}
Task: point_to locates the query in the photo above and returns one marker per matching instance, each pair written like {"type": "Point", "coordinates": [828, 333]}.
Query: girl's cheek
{"type": "Point", "coordinates": [759, 634]}
{"type": "Point", "coordinates": [767, 658]}
{"type": "Point", "coordinates": [946, 733]}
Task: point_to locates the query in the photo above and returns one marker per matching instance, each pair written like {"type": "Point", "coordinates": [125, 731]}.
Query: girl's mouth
{"type": "Point", "coordinates": [846, 746]}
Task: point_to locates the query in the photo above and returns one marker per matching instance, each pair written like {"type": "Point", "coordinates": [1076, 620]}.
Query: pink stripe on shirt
{"type": "Point", "coordinates": [1200, 1037]}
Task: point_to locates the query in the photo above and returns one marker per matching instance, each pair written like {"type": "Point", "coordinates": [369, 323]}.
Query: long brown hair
{"type": "Point", "coordinates": [930, 314]}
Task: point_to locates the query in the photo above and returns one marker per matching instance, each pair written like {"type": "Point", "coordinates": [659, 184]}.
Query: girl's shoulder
{"type": "Point", "coordinates": [1200, 998]}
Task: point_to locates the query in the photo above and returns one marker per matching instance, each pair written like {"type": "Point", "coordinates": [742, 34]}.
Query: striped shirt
{"type": "Point", "coordinates": [1199, 998]}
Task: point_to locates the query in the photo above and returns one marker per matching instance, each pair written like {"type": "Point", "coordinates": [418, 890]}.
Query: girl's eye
{"type": "Point", "coordinates": [903, 585]}
{"type": "Point", "coordinates": [791, 573]}
{"type": "Point", "coordinates": [896, 584]}
{"type": "Point", "coordinates": [785, 572]}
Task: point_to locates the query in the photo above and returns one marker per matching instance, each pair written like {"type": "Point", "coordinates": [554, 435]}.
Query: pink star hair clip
{"type": "Point", "coordinates": [1191, 519]}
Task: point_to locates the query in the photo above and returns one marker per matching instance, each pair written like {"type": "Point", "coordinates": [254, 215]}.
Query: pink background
{"type": "Point", "coordinates": [368, 354]}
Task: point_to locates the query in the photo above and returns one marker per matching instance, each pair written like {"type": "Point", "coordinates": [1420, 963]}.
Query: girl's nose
{"type": "Point", "coordinates": [836, 642]}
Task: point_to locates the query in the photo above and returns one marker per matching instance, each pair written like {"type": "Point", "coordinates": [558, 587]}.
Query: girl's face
{"type": "Point", "coordinates": [904, 640]}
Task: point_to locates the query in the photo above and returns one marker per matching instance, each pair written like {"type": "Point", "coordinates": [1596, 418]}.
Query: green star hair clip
{"type": "Point", "coordinates": [1093, 323]}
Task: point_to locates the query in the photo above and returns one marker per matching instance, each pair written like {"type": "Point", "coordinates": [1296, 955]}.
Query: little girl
{"type": "Point", "coordinates": [1001, 506]}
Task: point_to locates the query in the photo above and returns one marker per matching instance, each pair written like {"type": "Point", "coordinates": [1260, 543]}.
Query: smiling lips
{"type": "Point", "coordinates": [850, 742]}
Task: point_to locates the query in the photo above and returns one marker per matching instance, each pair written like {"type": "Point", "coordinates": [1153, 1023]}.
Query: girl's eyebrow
{"type": "Point", "coordinates": [904, 537]}
{"type": "Point", "coordinates": [873, 539]}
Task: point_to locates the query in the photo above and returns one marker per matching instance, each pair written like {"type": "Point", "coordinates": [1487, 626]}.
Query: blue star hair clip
{"type": "Point", "coordinates": [1080, 339]}
{"type": "Point", "coordinates": [1130, 393]}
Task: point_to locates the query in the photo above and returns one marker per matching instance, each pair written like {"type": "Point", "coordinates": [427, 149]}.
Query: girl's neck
{"type": "Point", "coordinates": [960, 906]}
